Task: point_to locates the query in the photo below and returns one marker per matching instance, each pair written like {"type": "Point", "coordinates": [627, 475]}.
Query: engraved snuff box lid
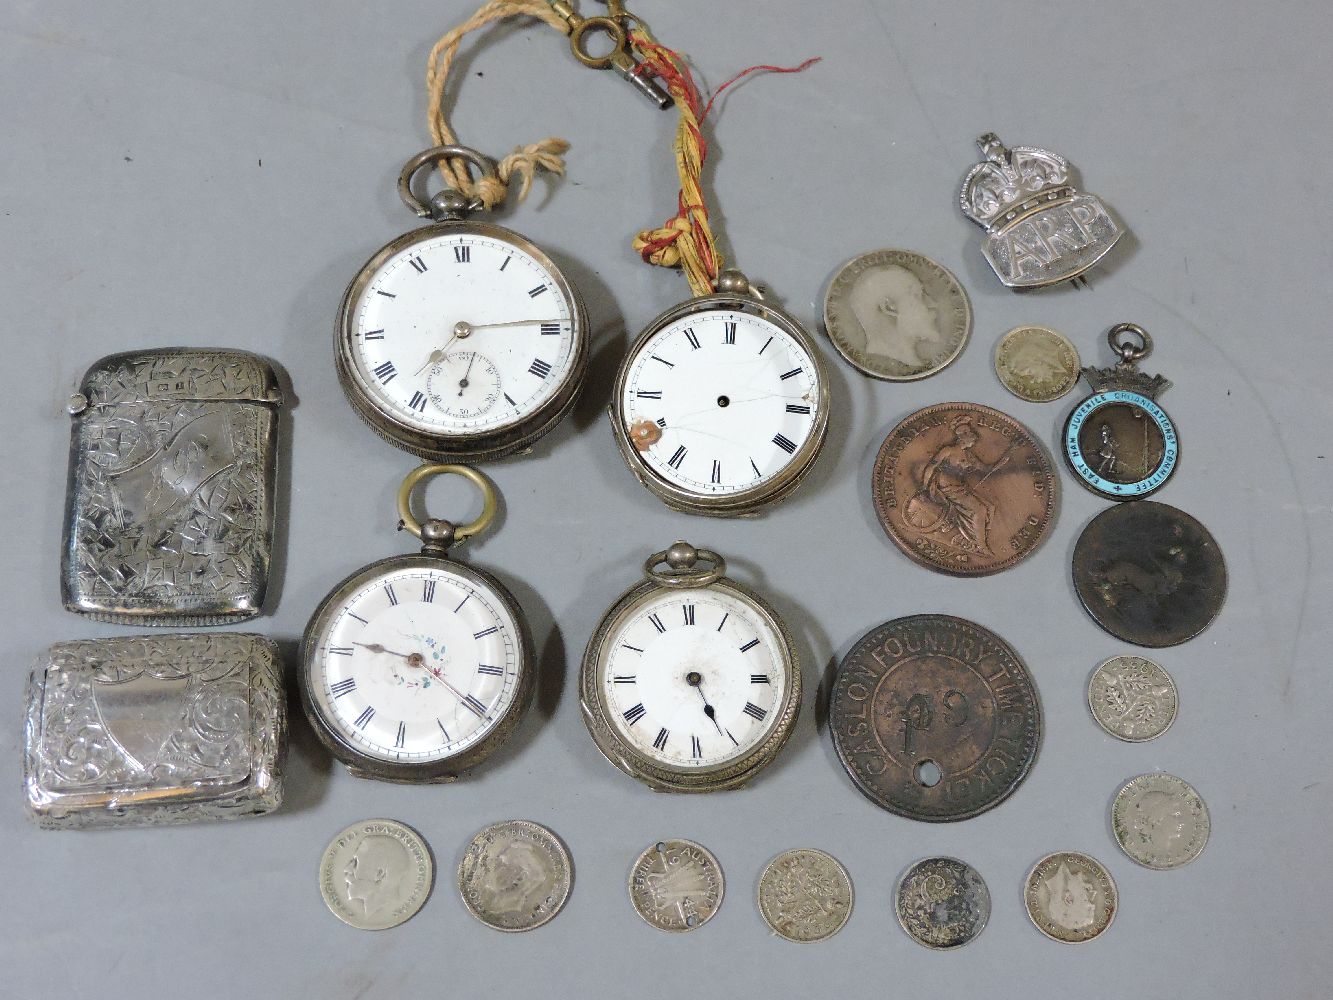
{"type": "Point", "coordinates": [154, 729]}
{"type": "Point", "coordinates": [169, 509]}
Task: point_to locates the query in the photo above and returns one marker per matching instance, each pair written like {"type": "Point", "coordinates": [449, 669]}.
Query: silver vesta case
{"type": "Point", "coordinates": [154, 729]}
{"type": "Point", "coordinates": [169, 509]}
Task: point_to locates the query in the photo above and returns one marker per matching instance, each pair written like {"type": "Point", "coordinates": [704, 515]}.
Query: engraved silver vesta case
{"type": "Point", "coordinates": [1119, 442]}
{"type": "Point", "coordinates": [169, 506]}
{"type": "Point", "coordinates": [460, 340]}
{"type": "Point", "coordinates": [691, 682]}
{"type": "Point", "coordinates": [721, 405]}
{"type": "Point", "coordinates": [417, 667]}
{"type": "Point", "coordinates": [154, 729]}
{"type": "Point", "coordinates": [1040, 229]}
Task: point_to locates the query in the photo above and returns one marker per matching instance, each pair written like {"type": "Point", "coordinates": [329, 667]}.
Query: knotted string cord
{"type": "Point", "coordinates": [524, 161]}
{"type": "Point", "coordinates": [686, 239]}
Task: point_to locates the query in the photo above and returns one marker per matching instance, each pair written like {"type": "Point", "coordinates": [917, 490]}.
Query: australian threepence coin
{"type": "Point", "coordinates": [676, 885]}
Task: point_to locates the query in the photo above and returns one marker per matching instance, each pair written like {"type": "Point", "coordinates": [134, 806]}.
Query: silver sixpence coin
{"type": "Point", "coordinates": [942, 902]}
{"type": "Point", "coordinates": [805, 895]}
{"type": "Point", "coordinates": [676, 885]}
{"type": "Point", "coordinates": [1160, 821]}
{"type": "Point", "coordinates": [1132, 698]}
{"type": "Point", "coordinates": [897, 315]}
{"type": "Point", "coordinates": [1070, 897]}
{"type": "Point", "coordinates": [1036, 363]}
{"type": "Point", "coordinates": [515, 875]}
{"type": "Point", "coordinates": [376, 874]}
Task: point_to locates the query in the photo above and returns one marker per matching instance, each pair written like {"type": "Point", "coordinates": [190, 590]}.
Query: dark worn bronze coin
{"type": "Point", "coordinates": [1149, 574]}
{"type": "Point", "coordinates": [963, 489]}
{"type": "Point", "coordinates": [934, 717]}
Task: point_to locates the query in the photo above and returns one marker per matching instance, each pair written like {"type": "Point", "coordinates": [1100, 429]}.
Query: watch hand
{"type": "Point", "coordinates": [517, 322]}
{"type": "Point", "coordinates": [463, 382]}
{"type": "Point", "coordinates": [461, 329]}
{"type": "Point", "coordinates": [375, 647]}
{"type": "Point", "coordinates": [696, 682]}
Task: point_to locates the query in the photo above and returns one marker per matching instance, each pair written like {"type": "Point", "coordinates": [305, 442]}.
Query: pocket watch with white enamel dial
{"type": "Point", "coordinates": [415, 668]}
{"type": "Point", "coordinates": [691, 682]}
{"type": "Point", "coordinates": [460, 340]}
{"type": "Point", "coordinates": [721, 406]}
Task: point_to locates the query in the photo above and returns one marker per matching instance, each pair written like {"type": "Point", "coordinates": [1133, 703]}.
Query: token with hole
{"type": "Point", "coordinates": [934, 717]}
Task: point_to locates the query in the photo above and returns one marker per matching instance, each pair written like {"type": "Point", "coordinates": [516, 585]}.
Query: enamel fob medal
{"type": "Point", "coordinates": [721, 405]}
{"type": "Point", "coordinates": [460, 339]}
{"type": "Point", "coordinates": [416, 667]}
{"type": "Point", "coordinates": [691, 681]}
{"type": "Point", "coordinates": [1119, 442]}
{"type": "Point", "coordinates": [1040, 229]}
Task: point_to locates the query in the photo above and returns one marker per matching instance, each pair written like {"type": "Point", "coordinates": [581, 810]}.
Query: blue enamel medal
{"type": "Point", "coordinates": [1119, 442]}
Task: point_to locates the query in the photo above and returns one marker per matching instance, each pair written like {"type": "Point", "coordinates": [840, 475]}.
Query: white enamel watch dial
{"type": "Point", "coordinates": [462, 332]}
{"type": "Point", "coordinates": [413, 661]}
{"type": "Point", "coordinates": [693, 678]}
{"type": "Point", "coordinates": [690, 682]}
{"type": "Point", "coordinates": [721, 406]}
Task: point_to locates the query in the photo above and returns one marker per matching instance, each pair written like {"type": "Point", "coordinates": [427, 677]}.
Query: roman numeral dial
{"type": "Point", "coordinates": [460, 333]}
{"type": "Point", "coordinates": [413, 664]}
{"type": "Point", "coordinates": [693, 679]}
{"type": "Point", "coordinates": [737, 400]}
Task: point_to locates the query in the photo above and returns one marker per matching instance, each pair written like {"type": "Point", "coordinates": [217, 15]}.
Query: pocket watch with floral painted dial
{"type": "Point", "coordinates": [460, 340]}
{"type": "Point", "coordinates": [691, 682]}
{"type": "Point", "coordinates": [721, 406]}
{"type": "Point", "coordinates": [417, 667]}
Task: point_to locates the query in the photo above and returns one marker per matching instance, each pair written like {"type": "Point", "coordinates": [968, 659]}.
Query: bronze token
{"type": "Point", "coordinates": [1149, 574]}
{"type": "Point", "coordinates": [934, 718]}
{"type": "Point", "coordinates": [963, 489]}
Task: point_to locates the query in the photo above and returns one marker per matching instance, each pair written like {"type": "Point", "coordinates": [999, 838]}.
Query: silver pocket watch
{"type": "Point", "coordinates": [460, 339]}
{"type": "Point", "coordinates": [721, 405]}
{"type": "Point", "coordinates": [691, 682]}
{"type": "Point", "coordinates": [417, 667]}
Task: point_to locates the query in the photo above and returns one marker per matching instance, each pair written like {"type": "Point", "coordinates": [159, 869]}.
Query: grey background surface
{"type": "Point", "coordinates": [213, 174]}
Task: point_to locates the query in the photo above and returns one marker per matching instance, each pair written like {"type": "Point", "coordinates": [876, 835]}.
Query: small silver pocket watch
{"type": "Point", "coordinates": [460, 340]}
{"type": "Point", "coordinates": [721, 405]}
{"type": "Point", "coordinates": [416, 667]}
{"type": "Point", "coordinates": [691, 682]}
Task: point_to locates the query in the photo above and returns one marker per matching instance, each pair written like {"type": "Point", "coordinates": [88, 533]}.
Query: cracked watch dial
{"type": "Point", "coordinates": [461, 334]}
{"type": "Point", "coordinates": [413, 665]}
{"type": "Point", "coordinates": [721, 408]}
{"type": "Point", "coordinates": [693, 680]}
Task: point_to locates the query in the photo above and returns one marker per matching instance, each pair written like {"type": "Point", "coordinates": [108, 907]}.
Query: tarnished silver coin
{"type": "Point", "coordinates": [1160, 821]}
{"type": "Point", "coordinates": [805, 895]}
{"type": "Point", "coordinates": [676, 885]}
{"type": "Point", "coordinates": [942, 902]}
{"type": "Point", "coordinates": [897, 315]}
{"type": "Point", "coordinates": [376, 874]}
{"type": "Point", "coordinates": [1036, 363]}
{"type": "Point", "coordinates": [515, 875]}
{"type": "Point", "coordinates": [1132, 698]}
{"type": "Point", "coordinates": [1070, 897]}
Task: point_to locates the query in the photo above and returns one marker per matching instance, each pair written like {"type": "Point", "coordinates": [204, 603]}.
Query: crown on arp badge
{"type": "Point", "coordinates": [1040, 229]}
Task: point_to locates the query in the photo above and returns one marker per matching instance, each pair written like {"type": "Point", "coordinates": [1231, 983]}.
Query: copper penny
{"type": "Point", "coordinates": [964, 489]}
{"type": "Point", "coordinates": [934, 717]}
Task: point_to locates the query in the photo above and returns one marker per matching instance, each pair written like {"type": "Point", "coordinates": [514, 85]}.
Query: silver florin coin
{"type": "Point", "coordinates": [1132, 698]}
{"type": "Point", "coordinates": [897, 315]}
{"type": "Point", "coordinates": [1070, 897]}
{"type": "Point", "coordinates": [1036, 363]}
{"type": "Point", "coordinates": [1160, 821]}
{"type": "Point", "coordinates": [805, 895]}
{"type": "Point", "coordinates": [942, 902]}
{"type": "Point", "coordinates": [376, 874]}
{"type": "Point", "coordinates": [676, 885]}
{"type": "Point", "coordinates": [515, 875]}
